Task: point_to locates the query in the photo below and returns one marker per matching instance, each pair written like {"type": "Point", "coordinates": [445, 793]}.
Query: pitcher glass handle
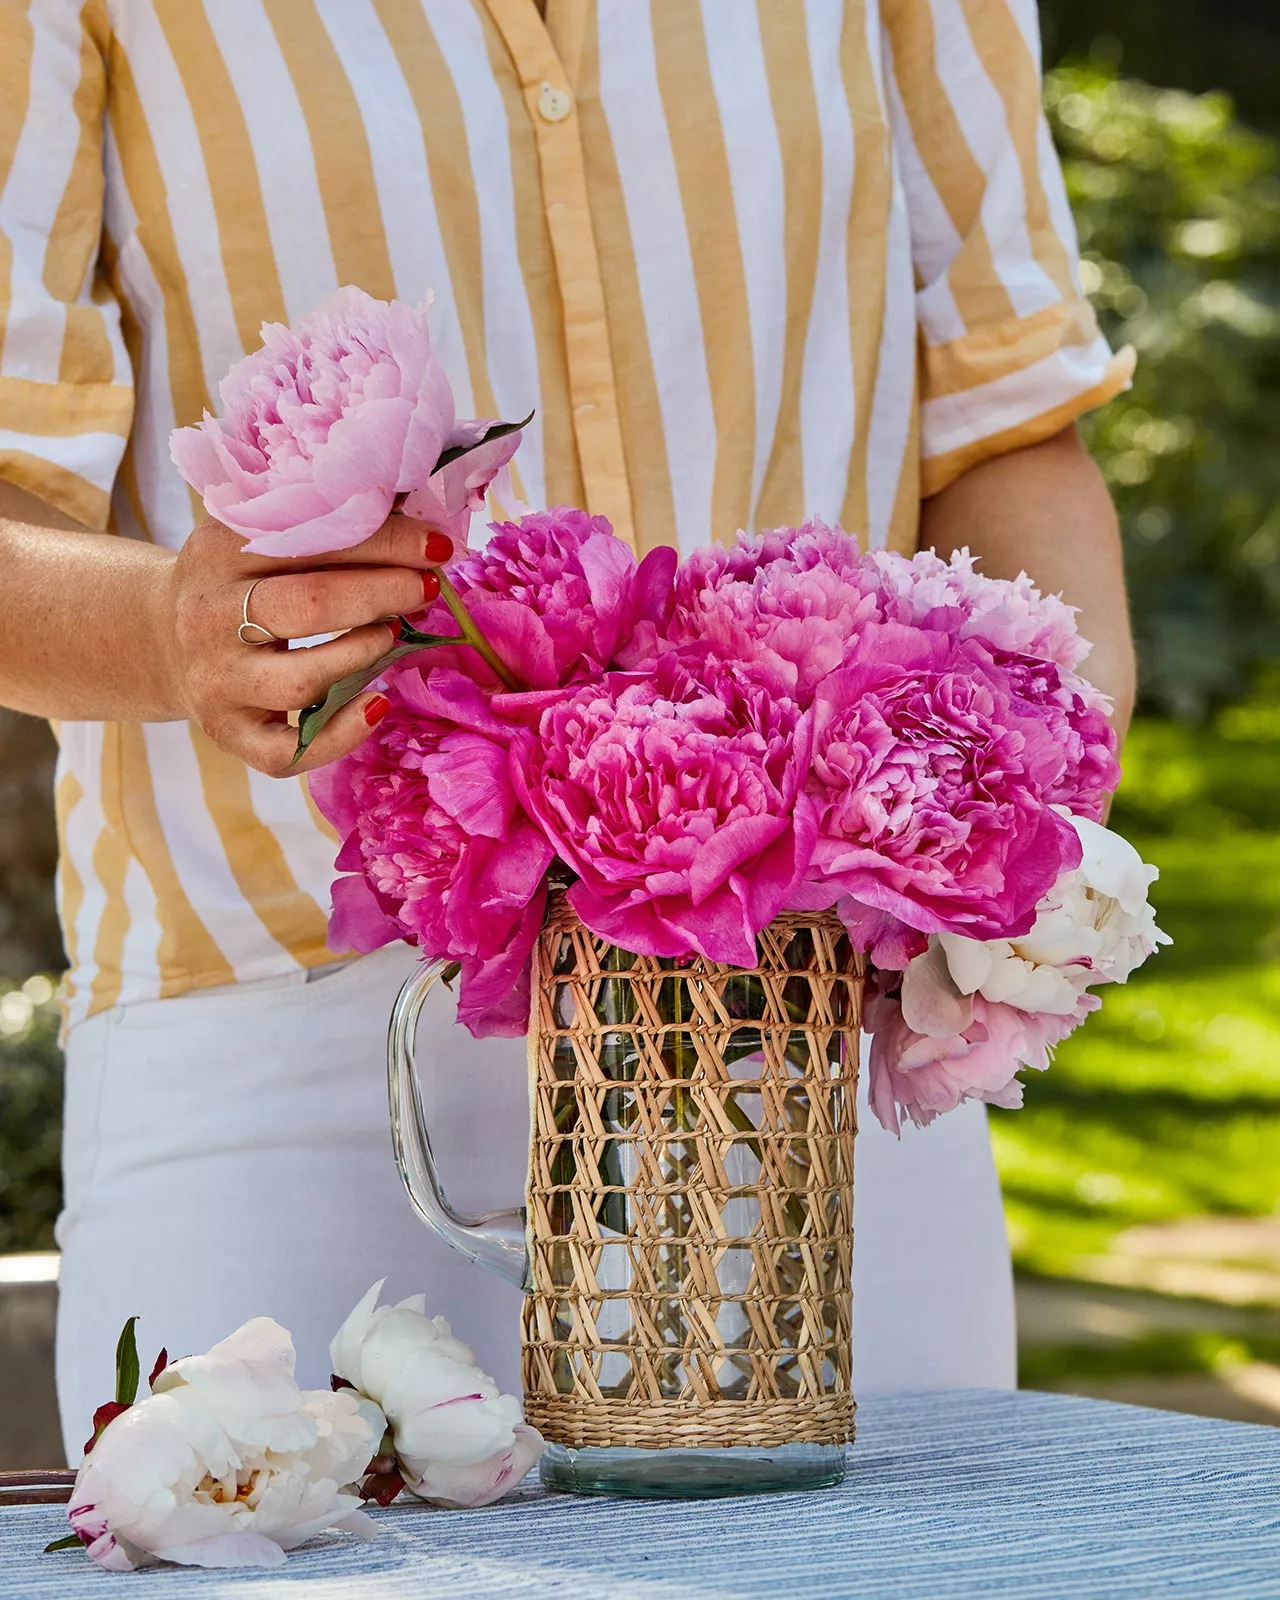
{"type": "Point", "coordinates": [495, 1240]}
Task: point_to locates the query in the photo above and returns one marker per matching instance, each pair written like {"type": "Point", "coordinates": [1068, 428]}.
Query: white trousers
{"type": "Point", "coordinates": [227, 1155]}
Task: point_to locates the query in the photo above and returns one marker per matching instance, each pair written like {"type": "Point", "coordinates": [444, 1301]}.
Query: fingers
{"type": "Point", "coordinates": [400, 542]}
{"type": "Point", "coordinates": [275, 679]}
{"type": "Point", "coordinates": [298, 605]}
{"type": "Point", "coordinates": [267, 743]}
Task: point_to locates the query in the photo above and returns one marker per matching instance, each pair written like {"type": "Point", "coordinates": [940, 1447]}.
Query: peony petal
{"type": "Point", "coordinates": [468, 778]}
{"type": "Point", "coordinates": [638, 926]}
{"type": "Point", "coordinates": [931, 1003]}
{"type": "Point", "coordinates": [360, 1523]}
{"type": "Point", "coordinates": [275, 510]}
{"type": "Point", "coordinates": [363, 451]}
{"type": "Point", "coordinates": [195, 458]}
{"type": "Point", "coordinates": [358, 921]}
{"type": "Point", "coordinates": [340, 529]}
{"type": "Point", "coordinates": [519, 637]}
{"type": "Point", "coordinates": [1112, 866]}
{"type": "Point", "coordinates": [655, 576]}
{"type": "Point", "coordinates": [718, 927]}
{"type": "Point", "coordinates": [394, 1336]}
{"type": "Point", "coordinates": [227, 1550]}
{"type": "Point", "coordinates": [728, 848]}
{"type": "Point", "coordinates": [344, 1348]}
{"type": "Point", "coordinates": [890, 943]}
{"type": "Point", "coordinates": [459, 1487]}
{"type": "Point", "coordinates": [969, 961]}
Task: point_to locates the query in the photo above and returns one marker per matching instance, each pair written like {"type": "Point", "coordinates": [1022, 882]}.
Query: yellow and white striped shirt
{"type": "Point", "coordinates": [748, 260]}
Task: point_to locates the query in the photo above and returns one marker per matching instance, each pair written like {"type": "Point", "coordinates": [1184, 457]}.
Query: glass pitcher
{"type": "Point", "coordinates": [686, 1246]}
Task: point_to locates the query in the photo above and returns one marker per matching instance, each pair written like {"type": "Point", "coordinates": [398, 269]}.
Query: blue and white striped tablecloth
{"type": "Point", "coordinates": [949, 1496]}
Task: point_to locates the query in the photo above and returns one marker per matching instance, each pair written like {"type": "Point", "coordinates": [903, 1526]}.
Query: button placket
{"type": "Point", "coordinates": [588, 353]}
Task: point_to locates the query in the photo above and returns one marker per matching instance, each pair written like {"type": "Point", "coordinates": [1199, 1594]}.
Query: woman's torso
{"type": "Point", "coordinates": [741, 223]}
{"type": "Point", "coordinates": [675, 231]}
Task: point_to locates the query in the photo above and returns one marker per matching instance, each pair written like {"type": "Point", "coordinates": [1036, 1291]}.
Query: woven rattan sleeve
{"type": "Point", "coordinates": [691, 1191]}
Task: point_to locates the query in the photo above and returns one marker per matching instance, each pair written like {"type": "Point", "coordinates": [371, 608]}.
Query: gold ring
{"type": "Point", "coordinates": [267, 636]}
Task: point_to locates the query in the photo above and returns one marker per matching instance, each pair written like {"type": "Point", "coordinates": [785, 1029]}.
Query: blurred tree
{"type": "Point", "coordinates": [1187, 44]}
{"type": "Point", "coordinates": [30, 1114]}
{"type": "Point", "coordinates": [29, 937]}
{"type": "Point", "coordinates": [1178, 206]}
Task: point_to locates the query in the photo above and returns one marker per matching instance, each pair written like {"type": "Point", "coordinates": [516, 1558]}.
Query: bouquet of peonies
{"type": "Point", "coordinates": [691, 748]}
{"type": "Point", "coordinates": [789, 723]}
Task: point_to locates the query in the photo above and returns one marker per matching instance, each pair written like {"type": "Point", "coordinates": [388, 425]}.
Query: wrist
{"type": "Point", "coordinates": [158, 611]}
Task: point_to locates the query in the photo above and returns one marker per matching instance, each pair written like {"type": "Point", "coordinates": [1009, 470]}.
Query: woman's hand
{"type": "Point", "coordinates": [240, 693]}
{"type": "Point", "coordinates": [100, 628]}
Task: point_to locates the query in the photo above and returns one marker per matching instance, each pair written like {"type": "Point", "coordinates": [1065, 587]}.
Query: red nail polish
{"type": "Point", "coordinates": [430, 588]}
{"type": "Point", "coordinates": [396, 624]}
{"type": "Point", "coordinates": [376, 709]}
{"type": "Point", "coordinates": [439, 547]}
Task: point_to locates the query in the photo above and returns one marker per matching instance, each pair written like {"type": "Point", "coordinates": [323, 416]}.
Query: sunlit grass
{"type": "Point", "coordinates": [1167, 1102]}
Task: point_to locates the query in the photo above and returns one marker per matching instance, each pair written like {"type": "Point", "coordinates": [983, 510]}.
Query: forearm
{"type": "Point", "coordinates": [82, 615]}
{"type": "Point", "coordinates": [1045, 511]}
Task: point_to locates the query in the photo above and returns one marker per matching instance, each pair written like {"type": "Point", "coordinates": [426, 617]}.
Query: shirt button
{"type": "Point", "coordinates": [554, 105]}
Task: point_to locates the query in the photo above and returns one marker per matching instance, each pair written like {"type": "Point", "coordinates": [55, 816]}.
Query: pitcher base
{"type": "Point", "coordinates": [692, 1474]}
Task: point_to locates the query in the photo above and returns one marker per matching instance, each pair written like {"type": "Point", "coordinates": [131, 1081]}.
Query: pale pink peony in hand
{"type": "Point", "coordinates": [327, 423]}
{"type": "Point", "coordinates": [559, 596]}
{"type": "Point", "coordinates": [677, 796]}
{"type": "Point", "coordinates": [929, 787]}
{"type": "Point", "coordinates": [793, 598]}
{"type": "Point", "coordinates": [438, 850]}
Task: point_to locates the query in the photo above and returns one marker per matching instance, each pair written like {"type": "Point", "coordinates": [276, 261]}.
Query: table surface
{"type": "Point", "coordinates": [1023, 1496]}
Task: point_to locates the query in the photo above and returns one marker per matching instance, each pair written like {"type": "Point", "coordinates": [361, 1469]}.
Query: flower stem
{"type": "Point", "coordinates": [471, 633]}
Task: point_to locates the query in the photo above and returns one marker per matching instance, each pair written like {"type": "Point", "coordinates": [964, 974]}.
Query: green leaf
{"type": "Point", "coordinates": [127, 1369]}
{"type": "Point", "coordinates": [499, 430]}
{"type": "Point", "coordinates": [314, 718]}
{"type": "Point", "coordinates": [73, 1541]}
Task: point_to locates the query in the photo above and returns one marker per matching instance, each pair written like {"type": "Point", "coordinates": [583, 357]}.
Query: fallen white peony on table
{"type": "Point", "coordinates": [228, 1463]}
{"type": "Point", "coordinates": [457, 1441]}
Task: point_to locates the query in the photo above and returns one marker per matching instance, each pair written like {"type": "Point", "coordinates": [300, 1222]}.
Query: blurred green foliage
{"type": "Point", "coordinates": [1178, 207]}
{"type": "Point", "coordinates": [1188, 44]}
{"type": "Point", "coordinates": [1162, 1354]}
{"type": "Point", "coordinates": [30, 1114]}
{"type": "Point", "coordinates": [1167, 1102]}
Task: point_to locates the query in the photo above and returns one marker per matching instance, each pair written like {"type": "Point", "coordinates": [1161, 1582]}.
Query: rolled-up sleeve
{"type": "Point", "coordinates": [66, 387]}
{"type": "Point", "coordinates": [1009, 348]}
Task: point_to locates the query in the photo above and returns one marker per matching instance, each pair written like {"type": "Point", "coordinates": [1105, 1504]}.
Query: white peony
{"type": "Point", "coordinates": [1094, 926]}
{"type": "Point", "coordinates": [227, 1463]}
{"type": "Point", "coordinates": [458, 1441]}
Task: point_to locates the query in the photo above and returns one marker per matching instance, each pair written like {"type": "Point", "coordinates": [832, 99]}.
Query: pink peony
{"type": "Point", "coordinates": [558, 595]}
{"type": "Point", "coordinates": [793, 598]}
{"type": "Point", "coordinates": [438, 848]}
{"type": "Point", "coordinates": [929, 786]}
{"type": "Point", "coordinates": [1075, 715]}
{"type": "Point", "coordinates": [327, 423]}
{"type": "Point", "coordinates": [677, 796]}
{"type": "Point", "coordinates": [889, 942]}
{"type": "Point", "coordinates": [922, 1077]}
{"type": "Point", "coordinates": [949, 596]}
